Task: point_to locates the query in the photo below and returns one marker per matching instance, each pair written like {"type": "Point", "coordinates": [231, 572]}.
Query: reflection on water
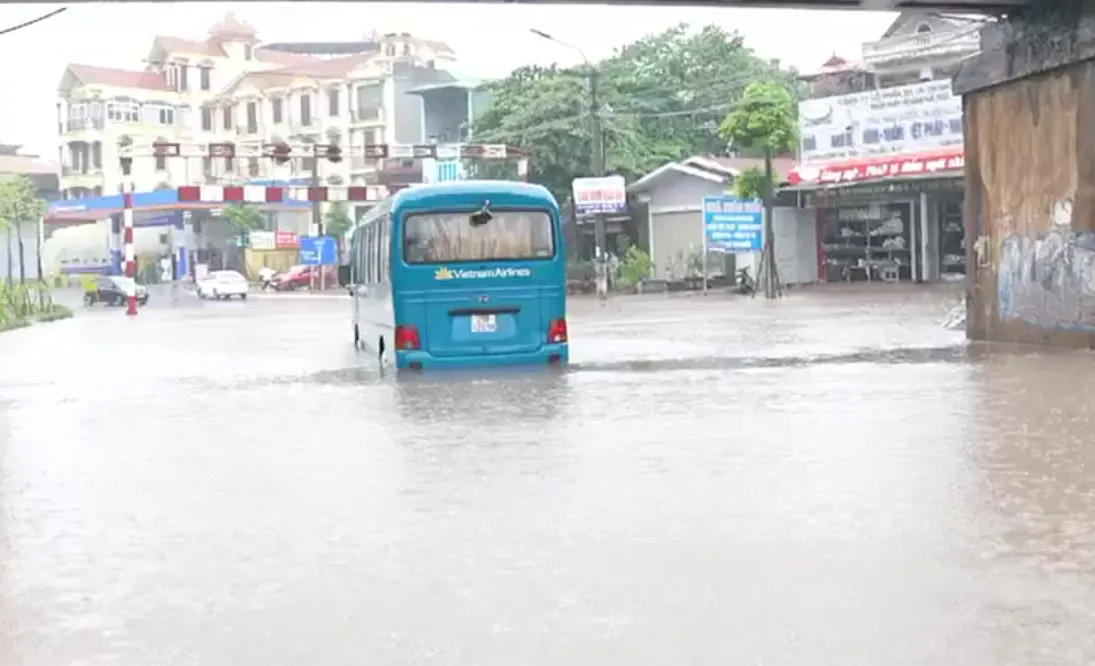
{"type": "Point", "coordinates": [855, 503]}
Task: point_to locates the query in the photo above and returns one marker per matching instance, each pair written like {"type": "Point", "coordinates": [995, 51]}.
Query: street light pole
{"type": "Point", "coordinates": [597, 161]}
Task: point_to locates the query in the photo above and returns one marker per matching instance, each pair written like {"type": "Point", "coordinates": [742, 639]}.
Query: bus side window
{"type": "Point", "coordinates": [385, 249]}
{"type": "Point", "coordinates": [368, 254]}
{"type": "Point", "coordinates": [359, 256]}
{"type": "Point", "coordinates": [355, 250]}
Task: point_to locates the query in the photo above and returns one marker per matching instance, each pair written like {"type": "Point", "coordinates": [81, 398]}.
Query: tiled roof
{"type": "Point", "coordinates": [282, 58]}
{"type": "Point", "coordinates": [780, 165]}
{"type": "Point", "coordinates": [212, 49]}
{"type": "Point", "coordinates": [313, 68]}
{"type": "Point", "coordinates": [189, 46]}
{"type": "Point", "coordinates": [440, 47]}
{"type": "Point", "coordinates": [232, 27]}
{"type": "Point", "coordinates": [120, 78]}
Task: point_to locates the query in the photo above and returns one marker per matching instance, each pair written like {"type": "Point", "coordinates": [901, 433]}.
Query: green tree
{"type": "Point", "coordinates": [337, 220]}
{"type": "Point", "coordinates": [19, 203]}
{"type": "Point", "coordinates": [765, 118]}
{"type": "Point", "coordinates": [661, 99]}
{"type": "Point", "coordinates": [750, 184]}
{"type": "Point", "coordinates": [543, 110]}
{"type": "Point", "coordinates": [244, 217]}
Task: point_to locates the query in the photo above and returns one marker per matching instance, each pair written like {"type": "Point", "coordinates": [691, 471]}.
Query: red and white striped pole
{"type": "Point", "coordinates": [130, 251]}
{"type": "Point", "coordinates": [126, 162]}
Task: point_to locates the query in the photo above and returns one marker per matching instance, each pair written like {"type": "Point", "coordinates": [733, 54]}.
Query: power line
{"type": "Point", "coordinates": [27, 24]}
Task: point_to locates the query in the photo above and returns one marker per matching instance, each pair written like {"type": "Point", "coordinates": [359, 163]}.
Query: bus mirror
{"type": "Point", "coordinates": [344, 276]}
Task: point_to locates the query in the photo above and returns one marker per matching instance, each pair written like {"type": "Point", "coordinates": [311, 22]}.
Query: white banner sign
{"type": "Point", "coordinates": [263, 240]}
{"type": "Point", "coordinates": [594, 196]}
{"type": "Point", "coordinates": [904, 119]}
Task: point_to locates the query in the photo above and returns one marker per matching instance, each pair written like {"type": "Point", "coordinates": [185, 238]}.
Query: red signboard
{"type": "Point", "coordinates": [888, 166]}
{"type": "Point", "coordinates": [286, 240]}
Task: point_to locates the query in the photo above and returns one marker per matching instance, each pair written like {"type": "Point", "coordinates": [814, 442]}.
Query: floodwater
{"type": "Point", "coordinates": [830, 479]}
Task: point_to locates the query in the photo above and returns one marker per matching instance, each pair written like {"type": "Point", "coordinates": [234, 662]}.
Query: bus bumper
{"type": "Point", "coordinates": [557, 355]}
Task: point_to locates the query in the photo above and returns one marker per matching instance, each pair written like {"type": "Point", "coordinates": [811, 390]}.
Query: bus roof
{"type": "Point", "coordinates": [423, 194]}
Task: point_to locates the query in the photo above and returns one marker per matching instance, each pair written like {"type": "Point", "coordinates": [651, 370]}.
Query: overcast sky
{"type": "Point", "coordinates": [489, 39]}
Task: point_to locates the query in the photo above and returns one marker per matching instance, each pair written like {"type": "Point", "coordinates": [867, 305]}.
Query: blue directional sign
{"type": "Point", "coordinates": [733, 225]}
{"type": "Point", "coordinates": [318, 250]}
{"type": "Point", "coordinates": [448, 171]}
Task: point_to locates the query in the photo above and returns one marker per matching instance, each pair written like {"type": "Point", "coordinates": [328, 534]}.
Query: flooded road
{"type": "Point", "coordinates": [831, 479]}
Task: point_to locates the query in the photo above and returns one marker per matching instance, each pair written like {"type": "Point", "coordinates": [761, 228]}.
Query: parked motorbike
{"type": "Point", "coordinates": [745, 284]}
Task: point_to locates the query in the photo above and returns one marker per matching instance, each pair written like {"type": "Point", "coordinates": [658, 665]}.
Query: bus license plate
{"type": "Point", "coordinates": [484, 323]}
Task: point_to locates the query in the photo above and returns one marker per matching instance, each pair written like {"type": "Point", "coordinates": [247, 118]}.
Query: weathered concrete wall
{"type": "Point", "coordinates": [1030, 182]}
{"type": "Point", "coordinates": [1030, 202]}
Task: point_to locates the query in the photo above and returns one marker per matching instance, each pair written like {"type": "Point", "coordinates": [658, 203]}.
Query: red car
{"type": "Point", "coordinates": [305, 277]}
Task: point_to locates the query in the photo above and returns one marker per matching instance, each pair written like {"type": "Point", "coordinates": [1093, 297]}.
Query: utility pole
{"type": "Point", "coordinates": [317, 214]}
{"type": "Point", "coordinates": [598, 169]}
{"type": "Point", "coordinates": [769, 274]}
{"type": "Point", "coordinates": [597, 161]}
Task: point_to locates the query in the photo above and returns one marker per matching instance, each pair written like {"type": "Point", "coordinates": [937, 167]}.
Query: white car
{"type": "Point", "coordinates": [223, 285]}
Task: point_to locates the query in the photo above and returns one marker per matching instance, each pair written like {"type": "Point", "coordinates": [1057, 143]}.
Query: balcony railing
{"type": "Point", "coordinates": [361, 163]}
{"type": "Point", "coordinates": [77, 124]}
{"type": "Point", "coordinates": [370, 115]}
{"type": "Point", "coordinates": [921, 45]}
{"type": "Point", "coordinates": [90, 172]}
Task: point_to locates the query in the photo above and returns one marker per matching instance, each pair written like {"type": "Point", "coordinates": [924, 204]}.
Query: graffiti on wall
{"type": "Point", "coordinates": [1048, 280]}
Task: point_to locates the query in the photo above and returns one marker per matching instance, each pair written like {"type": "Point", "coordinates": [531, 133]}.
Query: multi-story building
{"type": "Point", "coordinates": [20, 241]}
{"type": "Point", "coordinates": [228, 88]}
{"type": "Point", "coordinates": [881, 156]}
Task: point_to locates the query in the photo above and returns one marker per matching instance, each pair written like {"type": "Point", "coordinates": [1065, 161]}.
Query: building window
{"type": "Point", "coordinates": [184, 85]}
{"type": "Point", "coordinates": [406, 49]}
{"type": "Point", "coordinates": [248, 51]}
{"type": "Point", "coordinates": [97, 155]}
{"type": "Point", "coordinates": [252, 118]}
{"type": "Point", "coordinates": [161, 160]}
{"type": "Point", "coordinates": [227, 113]}
{"type": "Point", "coordinates": [306, 110]}
{"type": "Point", "coordinates": [275, 110]}
{"type": "Point", "coordinates": [207, 120]}
{"type": "Point", "coordinates": [167, 116]}
{"type": "Point", "coordinates": [171, 75]}
{"type": "Point", "coordinates": [923, 27]}
{"type": "Point", "coordinates": [207, 166]}
{"type": "Point", "coordinates": [333, 100]}
{"type": "Point", "coordinates": [205, 78]}
{"type": "Point", "coordinates": [123, 112]}
{"type": "Point", "coordinates": [253, 166]}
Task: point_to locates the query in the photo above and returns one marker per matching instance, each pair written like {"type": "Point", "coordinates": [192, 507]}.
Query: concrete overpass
{"type": "Point", "coordinates": [950, 6]}
{"type": "Point", "coordinates": [995, 7]}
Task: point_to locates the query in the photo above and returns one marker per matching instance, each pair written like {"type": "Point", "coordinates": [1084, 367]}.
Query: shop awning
{"type": "Point", "coordinates": [935, 164]}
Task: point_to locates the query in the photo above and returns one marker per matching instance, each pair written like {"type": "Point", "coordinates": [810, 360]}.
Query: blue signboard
{"type": "Point", "coordinates": [318, 250]}
{"type": "Point", "coordinates": [733, 225]}
{"type": "Point", "coordinates": [448, 171]}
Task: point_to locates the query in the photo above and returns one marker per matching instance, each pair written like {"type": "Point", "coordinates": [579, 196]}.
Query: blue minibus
{"type": "Point", "coordinates": [460, 274]}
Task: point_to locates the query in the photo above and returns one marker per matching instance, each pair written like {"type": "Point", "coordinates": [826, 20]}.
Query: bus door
{"type": "Point", "coordinates": [488, 280]}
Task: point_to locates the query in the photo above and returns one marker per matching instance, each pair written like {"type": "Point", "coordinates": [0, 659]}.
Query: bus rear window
{"type": "Point", "coordinates": [430, 238]}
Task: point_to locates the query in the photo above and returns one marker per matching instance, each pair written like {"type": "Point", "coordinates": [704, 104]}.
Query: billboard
{"type": "Point", "coordinates": [924, 116]}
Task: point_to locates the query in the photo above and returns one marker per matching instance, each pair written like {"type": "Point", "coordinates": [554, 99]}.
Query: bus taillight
{"type": "Point", "coordinates": [557, 331]}
{"type": "Point", "coordinates": [407, 338]}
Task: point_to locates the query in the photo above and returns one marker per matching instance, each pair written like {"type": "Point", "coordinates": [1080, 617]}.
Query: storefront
{"type": "Point", "coordinates": [900, 230]}
{"type": "Point", "coordinates": [883, 171]}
